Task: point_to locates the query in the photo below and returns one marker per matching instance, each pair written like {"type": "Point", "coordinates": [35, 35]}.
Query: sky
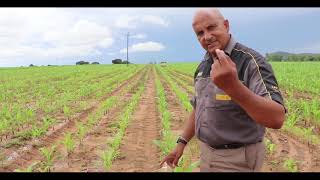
{"type": "Point", "coordinates": [63, 36]}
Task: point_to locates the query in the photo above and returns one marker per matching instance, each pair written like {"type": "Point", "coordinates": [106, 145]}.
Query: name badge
{"type": "Point", "coordinates": [223, 97]}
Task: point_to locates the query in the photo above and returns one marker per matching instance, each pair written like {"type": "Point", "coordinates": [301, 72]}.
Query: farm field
{"type": "Point", "coordinates": [119, 118]}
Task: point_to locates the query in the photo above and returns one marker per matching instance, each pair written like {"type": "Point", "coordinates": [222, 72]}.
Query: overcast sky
{"type": "Point", "coordinates": [43, 36]}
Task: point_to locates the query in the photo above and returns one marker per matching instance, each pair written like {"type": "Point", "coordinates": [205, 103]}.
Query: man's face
{"type": "Point", "coordinates": [212, 32]}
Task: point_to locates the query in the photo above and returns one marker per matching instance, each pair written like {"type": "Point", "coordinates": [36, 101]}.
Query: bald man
{"type": "Point", "coordinates": [236, 98]}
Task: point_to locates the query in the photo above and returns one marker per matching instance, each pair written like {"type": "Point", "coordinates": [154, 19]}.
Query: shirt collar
{"type": "Point", "coordinates": [231, 44]}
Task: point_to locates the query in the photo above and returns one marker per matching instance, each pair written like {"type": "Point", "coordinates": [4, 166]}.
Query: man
{"type": "Point", "coordinates": [236, 97]}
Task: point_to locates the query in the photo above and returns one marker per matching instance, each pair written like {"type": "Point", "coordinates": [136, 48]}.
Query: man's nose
{"type": "Point", "coordinates": [208, 37]}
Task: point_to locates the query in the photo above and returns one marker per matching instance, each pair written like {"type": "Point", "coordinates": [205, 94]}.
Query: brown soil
{"type": "Point", "coordinates": [188, 79]}
{"type": "Point", "coordinates": [306, 156]}
{"type": "Point", "coordinates": [87, 156]}
{"type": "Point", "coordinates": [179, 116]}
{"type": "Point", "coordinates": [137, 151]}
{"type": "Point", "coordinates": [26, 155]}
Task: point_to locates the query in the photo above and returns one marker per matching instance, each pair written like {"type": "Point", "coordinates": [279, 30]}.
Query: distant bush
{"type": "Point", "coordinates": [119, 61]}
{"type": "Point", "coordinates": [81, 62]}
{"type": "Point", "coordinates": [95, 63]}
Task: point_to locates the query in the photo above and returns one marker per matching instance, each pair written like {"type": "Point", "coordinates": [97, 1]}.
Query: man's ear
{"type": "Point", "coordinates": [226, 24]}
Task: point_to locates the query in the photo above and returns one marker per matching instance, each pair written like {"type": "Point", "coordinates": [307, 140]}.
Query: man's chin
{"type": "Point", "coordinates": [212, 51]}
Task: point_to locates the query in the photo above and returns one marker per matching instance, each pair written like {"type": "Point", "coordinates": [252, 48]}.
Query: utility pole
{"type": "Point", "coordinates": [127, 49]}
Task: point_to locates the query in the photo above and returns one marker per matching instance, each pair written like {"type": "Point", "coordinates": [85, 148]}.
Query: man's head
{"type": "Point", "coordinates": [211, 29]}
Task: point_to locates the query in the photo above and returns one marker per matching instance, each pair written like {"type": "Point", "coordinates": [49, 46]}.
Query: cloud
{"type": "Point", "coordinates": [145, 47]}
{"type": "Point", "coordinates": [126, 21]}
{"type": "Point", "coordinates": [49, 33]}
{"type": "Point", "coordinates": [133, 21]}
{"type": "Point", "coordinates": [82, 33]}
{"type": "Point", "coordinates": [111, 53]}
{"type": "Point", "coordinates": [154, 20]}
{"type": "Point", "coordinates": [139, 36]}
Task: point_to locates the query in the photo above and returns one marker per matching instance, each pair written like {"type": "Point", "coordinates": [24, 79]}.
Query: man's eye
{"type": "Point", "coordinates": [200, 33]}
{"type": "Point", "coordinates": [212, 27]}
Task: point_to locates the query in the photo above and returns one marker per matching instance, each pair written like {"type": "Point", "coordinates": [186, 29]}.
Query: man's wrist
{"type": "Point", "coordinates": [233, 90]}
{"type": "Point", "coordinates": [182, 140]}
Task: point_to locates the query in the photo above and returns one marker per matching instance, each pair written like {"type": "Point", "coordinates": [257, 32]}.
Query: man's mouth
{"type": "Point", "coordinates": [212, 44]}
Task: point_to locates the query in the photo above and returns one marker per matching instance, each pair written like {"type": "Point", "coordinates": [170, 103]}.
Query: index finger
{"type": "Point", "coordinates": [164, 160]}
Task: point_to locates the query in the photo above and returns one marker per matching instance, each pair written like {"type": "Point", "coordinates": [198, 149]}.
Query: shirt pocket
{"type": "Point", "coordinates": [218, 99]}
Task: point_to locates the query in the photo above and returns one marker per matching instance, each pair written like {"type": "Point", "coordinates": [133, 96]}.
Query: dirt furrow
{"type": "Point", "coordinates": [179, 115]}
{"type": "Point", "coordinates": [138, 152]}
{"type": "Point", "coordinates": [24, 156]}
{"type": "Point", "coordinates": [289, 148]}
{"type": "Point", "coordinates": [87, 156]}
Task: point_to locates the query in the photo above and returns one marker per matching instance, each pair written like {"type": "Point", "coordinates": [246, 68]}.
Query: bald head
{"type": "Point", "coordinates": [208, 12]}
{"type": "Point", "coordinates": [211, 29]}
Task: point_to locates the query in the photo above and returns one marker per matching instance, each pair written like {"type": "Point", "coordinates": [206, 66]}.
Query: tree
{"type": "Point", "coordinates": [125, 62]}
{"type": "Point", "coordinates": [117, 61]}
{"type": "Point", "coordinates": [82, 62]}
{"type": "Point", "coordinates": [95, 63]}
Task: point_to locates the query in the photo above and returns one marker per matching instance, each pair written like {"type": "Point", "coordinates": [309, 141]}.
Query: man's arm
{"type": "Point", "coordinates": [266, 112]}
{"type": "Point", "coordinates": [188, 131]}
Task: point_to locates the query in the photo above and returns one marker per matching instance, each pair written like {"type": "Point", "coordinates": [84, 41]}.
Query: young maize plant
{"type": "Point", "coordinates": [81, 131]}
{"type": "Point", "coordinates": [48, 154]}
{"type": "Point", "coordinates": [183, 97]}
{"type": "Point", "coordinates": [271, 148]}
{"type": "Point", "coordinates": [290, 165]}
{"type": "Point", "coordinates": [69, 143]}
{"type": "Point", "coordinates": [168, 141]}
{"type": "Point", "coordinates": [113, 152]}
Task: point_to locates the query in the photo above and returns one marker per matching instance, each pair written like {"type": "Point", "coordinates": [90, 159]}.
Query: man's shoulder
{"type": "Point", "coordinates": [247, 52]}
{"type": "Point", "coordinates": [199, 68]}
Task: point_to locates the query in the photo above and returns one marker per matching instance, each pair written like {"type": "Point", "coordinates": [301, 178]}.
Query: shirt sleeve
{"type": "Point", "coordinates": [193, 102]}
{"type": "Point", "coordinates": [262, 81]}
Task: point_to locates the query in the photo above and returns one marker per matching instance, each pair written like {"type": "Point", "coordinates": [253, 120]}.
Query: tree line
{"type": "Point", "coordinates": [292, 57]}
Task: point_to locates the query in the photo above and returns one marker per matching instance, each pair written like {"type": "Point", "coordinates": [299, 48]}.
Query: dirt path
{"type": "Point", "coordinates": [137, 151]}
{"type": "Point", "coordinates": [26, 155]}
{"type": "Point", "coordinates": [307, 157]}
